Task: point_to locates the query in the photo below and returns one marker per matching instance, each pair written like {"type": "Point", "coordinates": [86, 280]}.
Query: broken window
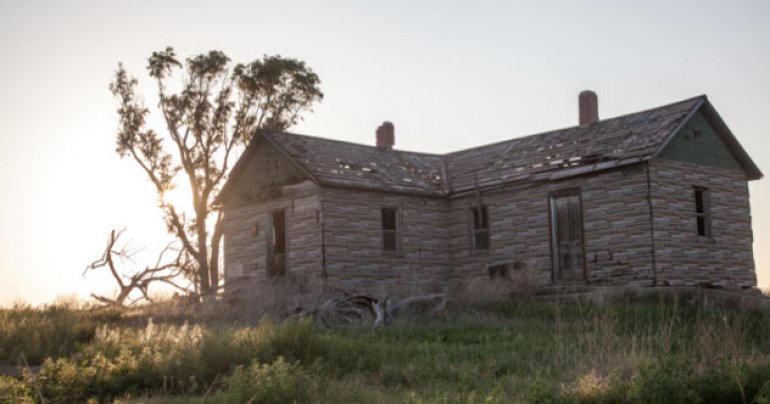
{"type": "Point", "coordinates": [276, 244]}
{"type": "Point", "coordinates": [567, 236]}
{"type": "Point", "coordinates": [480, 228]}
{"type": "Point", "coordinates": [702, 212]}
{"type": "Point", "coordinates": [390, 229]}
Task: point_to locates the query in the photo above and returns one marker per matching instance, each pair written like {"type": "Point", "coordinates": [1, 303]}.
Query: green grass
{"type": "Point", "coordinates": [653, 350]}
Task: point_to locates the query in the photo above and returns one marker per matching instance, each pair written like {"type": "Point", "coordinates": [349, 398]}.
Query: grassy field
{"type": "Point", "coordinates": [657, 349]}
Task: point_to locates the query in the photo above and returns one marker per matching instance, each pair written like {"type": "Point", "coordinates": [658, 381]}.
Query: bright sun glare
{"type": "Point", "coordinates": [179, 196]}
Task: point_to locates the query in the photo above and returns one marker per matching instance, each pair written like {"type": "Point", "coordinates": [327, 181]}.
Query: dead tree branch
{"type": "Point", "coordinates": [164, 271]}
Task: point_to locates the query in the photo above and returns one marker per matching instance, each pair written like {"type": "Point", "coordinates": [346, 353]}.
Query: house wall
{"type": "Point", "coordinates": [616, 226]}
{"type": "Point", "coordinates": [684, 258]}
{"type": "Point", "coordinates": [246, 254]}
{"type": "Point", "coordinates": [355, 260]}
{"type": "Point", "coordinates": [335, 235]}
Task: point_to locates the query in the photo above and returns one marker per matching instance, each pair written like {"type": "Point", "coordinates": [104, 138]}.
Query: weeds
{"type": "Point", "coordinates": [650, 351]}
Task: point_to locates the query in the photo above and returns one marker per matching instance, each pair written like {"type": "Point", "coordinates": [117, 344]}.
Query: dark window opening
{"type": "Point", "coordinates": [390, 229]}
{"type": "Point", "coordinates": [480, 231]}
{"type": "Point", "coordinates": [499, 271]}
{"type": "Point", "coordinates": [702, 212]}
{"type": "Point", "coordinates": [276, 246]}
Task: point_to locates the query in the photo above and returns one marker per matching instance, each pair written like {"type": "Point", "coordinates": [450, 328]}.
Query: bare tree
{"type": "Point", "coordinates": [167, 272]}
{"type": "Point", "coordinates": [213, 116]}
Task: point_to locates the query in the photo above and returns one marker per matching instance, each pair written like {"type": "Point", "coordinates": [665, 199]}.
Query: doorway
{"type": "Point", "coordinates": [567, 237]}
{"type": "Point", "coordinates": [276, 243]}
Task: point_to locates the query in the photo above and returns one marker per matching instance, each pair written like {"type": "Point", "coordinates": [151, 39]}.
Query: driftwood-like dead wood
{"type": "Point", "coordinates": [365, 310]}
{"type": "Point", "coordinates": [167, 272]}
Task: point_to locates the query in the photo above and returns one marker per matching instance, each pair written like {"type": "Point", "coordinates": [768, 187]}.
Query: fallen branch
{"type": "Point", "coordinates": [365, 310]}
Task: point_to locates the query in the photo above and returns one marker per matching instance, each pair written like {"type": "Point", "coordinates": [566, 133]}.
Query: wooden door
{"type": "Point", "coordinates": [567, 237]}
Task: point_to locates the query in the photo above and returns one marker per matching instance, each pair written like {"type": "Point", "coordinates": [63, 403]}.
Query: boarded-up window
{"type": "Point", "coordinates": [276, 245]}
{"type": "Point", "coordinates": [479, 228]}
{"type": "Point", "coordinates": [567, 236]}
{"type": "Point", "coordinates": [702, 212]}
{"type": "Point", "coordinates": [390, 229]}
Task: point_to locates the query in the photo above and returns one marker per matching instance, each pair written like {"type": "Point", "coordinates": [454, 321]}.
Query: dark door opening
{"type": "Point", "coordinates": [567, 238]}
{"type": "Point", "coordinates": [276, 244]}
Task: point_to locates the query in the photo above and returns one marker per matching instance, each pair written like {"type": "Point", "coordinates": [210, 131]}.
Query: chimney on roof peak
{"type": "Point", "coordinates": [589, 107]}
{"type": "Point", "coordinates": [385, 136]}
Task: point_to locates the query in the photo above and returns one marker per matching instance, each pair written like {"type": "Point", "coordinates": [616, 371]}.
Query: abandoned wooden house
{"type": "Point", "coordinates": [657, 197]}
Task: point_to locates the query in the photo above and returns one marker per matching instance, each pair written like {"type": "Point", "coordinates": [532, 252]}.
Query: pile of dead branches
{"type": "Point", "coordinates": [363, 310]}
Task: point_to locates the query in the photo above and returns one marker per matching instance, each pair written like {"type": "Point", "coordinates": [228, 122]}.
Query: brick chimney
{"type": "Point", "coordinates": [385, 136]}
{"type": "Point", "coordinates": [589, 107]}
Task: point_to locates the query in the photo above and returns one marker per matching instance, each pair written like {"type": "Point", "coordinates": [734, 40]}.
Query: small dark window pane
{"type": "Point", "coordinates": [480, 231]}
{"type": "Point", "coordinates": [702, 212]}
{"type": "Point", "coordinates": [389, 218]}
{"type": "Point", "coordinates": [699, 201]}
{"type": "Point", "coordinates": [390, 229]}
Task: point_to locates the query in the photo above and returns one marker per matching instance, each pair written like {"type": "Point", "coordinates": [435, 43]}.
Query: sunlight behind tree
{"type": "Point", "coordinates": [210, 111]}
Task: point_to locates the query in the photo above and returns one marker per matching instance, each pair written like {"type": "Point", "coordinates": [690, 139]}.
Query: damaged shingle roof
{"type": "Point", "coordinates": [608, 143]}
{"type": "Point", "coordinates": [552, 155]}
{"type": "Point", "coordinates": [334, 162]}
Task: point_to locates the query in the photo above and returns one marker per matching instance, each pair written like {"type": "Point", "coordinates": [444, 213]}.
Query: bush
{"type": "Point", "coordinates": [279, 382]}
{"type": "Point", "coordinates": [13, 391]}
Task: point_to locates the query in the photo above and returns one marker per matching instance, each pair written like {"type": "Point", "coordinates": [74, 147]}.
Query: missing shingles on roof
{"type": "Point", "coordinates": [355, 167]}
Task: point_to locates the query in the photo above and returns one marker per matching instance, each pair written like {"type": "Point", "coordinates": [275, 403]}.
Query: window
{"type": "Point", "coordinates": [480, 229]}
{"type": "Point", "coordinates": [276, 244]}
{"type": "Point", "coordinates": [390, 228]}
{"type": "Point", "coordinates": [702, 212]}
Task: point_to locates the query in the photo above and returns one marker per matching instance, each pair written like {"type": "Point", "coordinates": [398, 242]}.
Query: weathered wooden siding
{"type": "Point", "coordinates": [335, 234]}
{"type": "Point", "coordinates": [684, 258]}
{"type": "Point", "coordinates": [262, 174]}
{"type": "Point", "coordinates": [246, 253]}
{"type": "Point", "coordinates": [616, 229]}
{"type": "Point", "coordinates": [698, 143]}
{"type": "Point", "coordinates": [355, 260]}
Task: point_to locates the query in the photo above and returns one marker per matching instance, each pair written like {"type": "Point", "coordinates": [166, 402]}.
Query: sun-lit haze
{"type": "Point", "coordinates": [449, 75]}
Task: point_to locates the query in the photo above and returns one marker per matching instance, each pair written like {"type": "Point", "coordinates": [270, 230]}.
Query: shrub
{"type": "Point", "coordinates": [13, 391]}
{"type": "Point", "coordinates": [278, 382]}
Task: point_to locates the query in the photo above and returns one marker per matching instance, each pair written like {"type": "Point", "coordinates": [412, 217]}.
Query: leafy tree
{"type": "Point", "coordinates": [211, 117]}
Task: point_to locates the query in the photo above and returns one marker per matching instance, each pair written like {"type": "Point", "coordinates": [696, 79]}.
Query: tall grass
{"type": "Point", "coordinates": [30, 335]}
{"type": "Point", "coordinates": [660, 350]}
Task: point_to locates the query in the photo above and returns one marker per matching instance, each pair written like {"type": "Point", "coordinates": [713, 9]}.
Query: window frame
{"type": "Point", "coordinates": [704, 213]}
{"type": "Point", "coordinates": [395, 232]}
{"type": "Point", "coordinates": [474, 231]}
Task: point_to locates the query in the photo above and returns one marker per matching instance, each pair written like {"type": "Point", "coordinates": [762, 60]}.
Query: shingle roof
{"type": "Point", "coordinates": [339, 163]}
{"type": "Point", "coordinates": [608, 143]}
{"type": "Point", "coordinates": [552, 155]}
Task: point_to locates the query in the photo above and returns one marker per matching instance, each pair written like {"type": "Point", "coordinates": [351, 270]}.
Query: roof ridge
{"type": "Point", "coordinates": [271, 133]}
{"type": "Point", "coordinates": [446, 155]}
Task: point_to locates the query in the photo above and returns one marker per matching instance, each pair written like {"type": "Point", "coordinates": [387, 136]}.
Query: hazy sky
{"type": "Point", "coordinates": [450, 75]}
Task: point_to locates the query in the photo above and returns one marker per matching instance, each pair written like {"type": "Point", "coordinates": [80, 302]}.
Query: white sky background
{"type": "Point", "coordinates": [449, 75]}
